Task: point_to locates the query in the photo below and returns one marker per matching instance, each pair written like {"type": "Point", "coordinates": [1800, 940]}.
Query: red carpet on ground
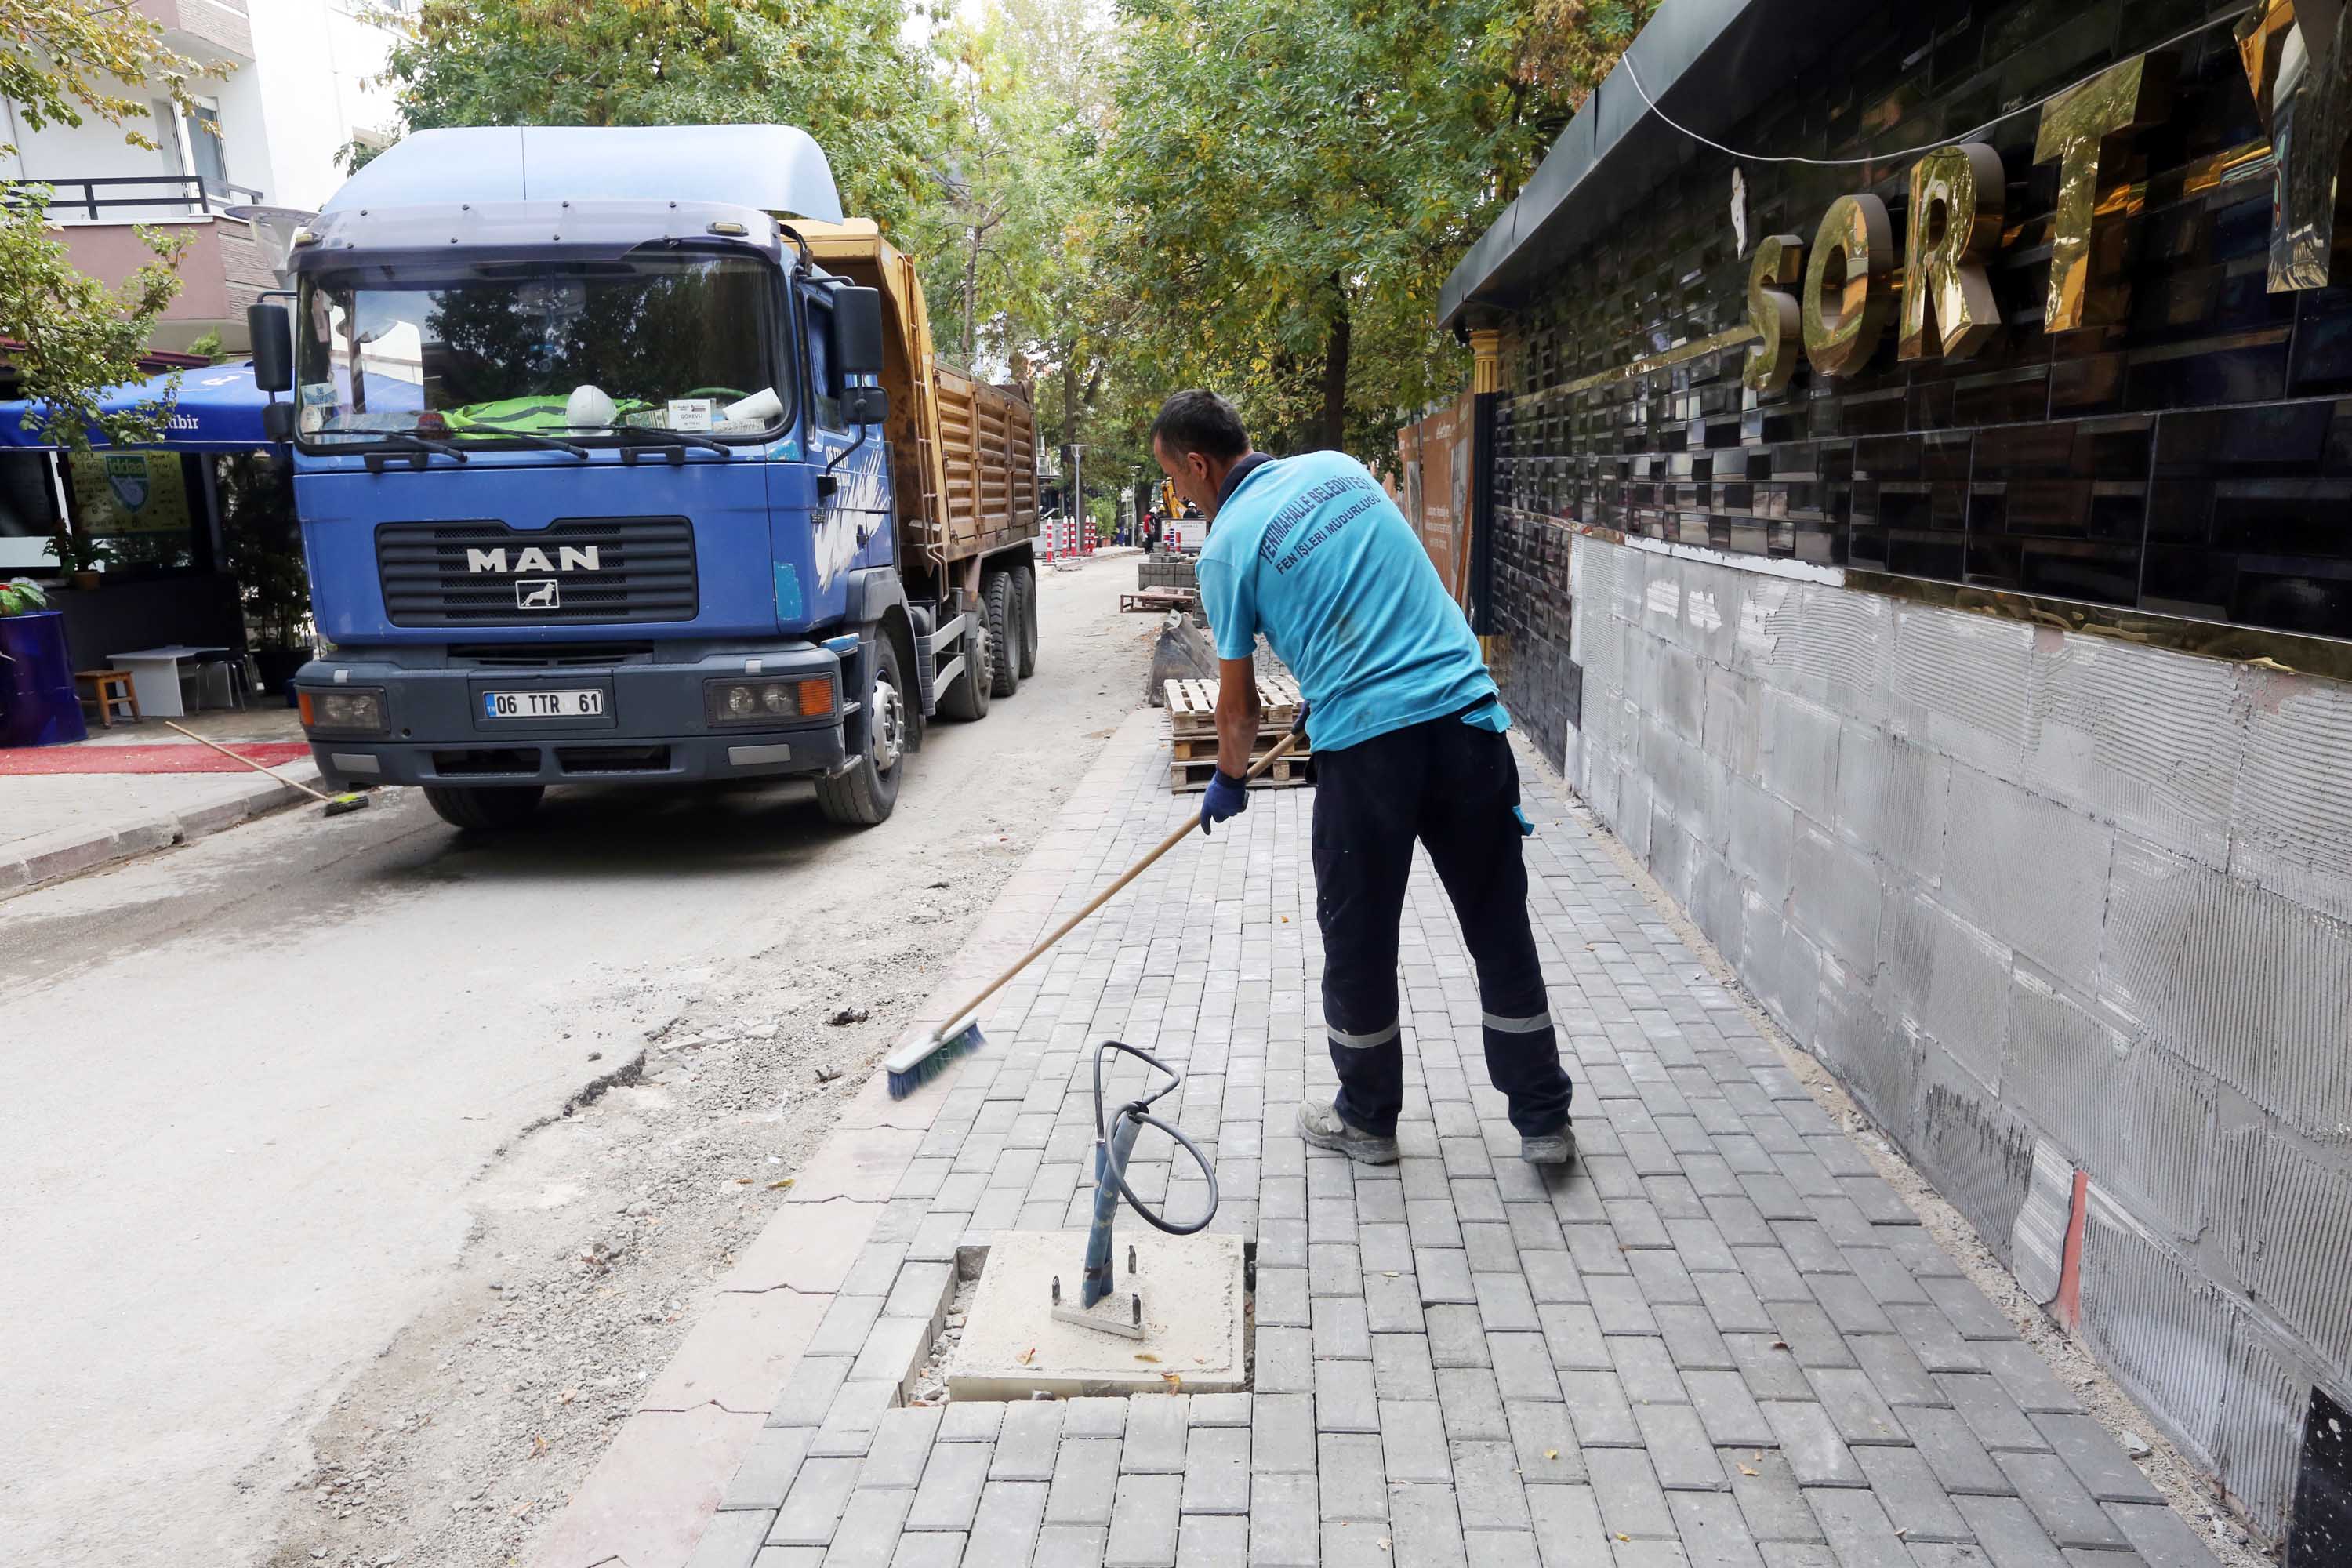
{"type": "Point", "coordinates": [178, 757]}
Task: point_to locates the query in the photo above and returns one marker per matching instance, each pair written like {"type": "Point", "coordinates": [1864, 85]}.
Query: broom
{"type": "Point", "coordinates": [336, 804]}
{"type": "Point", "coordinates": [925, 1057]}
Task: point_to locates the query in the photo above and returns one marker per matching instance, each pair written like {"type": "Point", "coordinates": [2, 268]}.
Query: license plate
{"type": "Point", "coordinates": [542, 704]}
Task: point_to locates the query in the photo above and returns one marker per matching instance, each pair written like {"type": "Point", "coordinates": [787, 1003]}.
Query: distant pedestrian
{"type": "Point", "coordinates": [1408, 737]}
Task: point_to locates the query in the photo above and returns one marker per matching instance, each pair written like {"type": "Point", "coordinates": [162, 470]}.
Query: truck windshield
{"type": "Point", "coordinates": [659, 342]}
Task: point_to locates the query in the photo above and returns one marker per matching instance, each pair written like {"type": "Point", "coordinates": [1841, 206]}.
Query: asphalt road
{"type": "Point", "coordinates": [258, 1084]}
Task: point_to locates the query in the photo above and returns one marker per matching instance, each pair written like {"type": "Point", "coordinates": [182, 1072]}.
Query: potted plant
{"type": "Point", "coordinates": [37, 704]}
{"type": "Point", "coordinates": [80, 555]}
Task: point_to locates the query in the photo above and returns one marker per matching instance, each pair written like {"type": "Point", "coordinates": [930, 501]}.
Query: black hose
{"type": "Point", "coordinates": [1139, 1112]}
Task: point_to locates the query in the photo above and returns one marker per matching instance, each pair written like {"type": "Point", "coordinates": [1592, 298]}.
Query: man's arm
{"type": "Point", "coordinates": [1237, 714]}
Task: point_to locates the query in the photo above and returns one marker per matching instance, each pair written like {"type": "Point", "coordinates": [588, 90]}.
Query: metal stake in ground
{"type": "Point", "coordinates": [1113, 1144]}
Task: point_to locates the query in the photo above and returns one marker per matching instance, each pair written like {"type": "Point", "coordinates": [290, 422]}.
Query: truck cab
{"type": "Point", "coordinates": [596, 464]}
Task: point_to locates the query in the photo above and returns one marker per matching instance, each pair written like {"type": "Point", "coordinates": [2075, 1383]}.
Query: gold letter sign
{"type": "Point", "coordinates": [1778, 267]}
{"type": "Point", "coordinates": [1957, 197]}
{"type": "Point", "coordinates": [2295, 58]}
{"type": "Point", "coordinates": [1846, 284]}
{"type": "Point", "coordinates": [2083, 128]}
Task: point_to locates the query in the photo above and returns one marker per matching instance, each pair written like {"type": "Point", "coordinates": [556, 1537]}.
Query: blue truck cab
{"type": "Point", "coordinates": [604, 475]}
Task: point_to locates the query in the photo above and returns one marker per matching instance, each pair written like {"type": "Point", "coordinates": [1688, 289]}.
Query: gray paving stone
{"type": "Point", "coordinates": [1552, 1276]}
{"type": "Point", "coordinates": [1284, 1525]}
{"type": "Point", "coordinates": [1572, 1334]}
{"type": "Point", "coordinates": [2161, 1537]}
{"type": "Point", "coordinates": [1501, 1548]}
{"type": "Point", "coordinates": [1221, 1409]}
{"type": "Point", "coordinates": [1143, 1521]}
{"type": "Point", "coordinates": [1569, 1531]}
{"type": "Point", "coordinates": [1284, 1361]}
{"type": "Point", "coordinates": [1545, 1442]}
{"type": "Point", "coordinates": [1281, 1298]}
{"type": "Point", "coordinates": [1991, 1413]}
{"type": "Point", "coordinates": [950, 1492]}
{"type": "Point", "coordinates": [1391, 1304]}
{"type": "Point", "coordinates": [1770, 1499]}
{"type": "Point", "coordinates": [1811, 1336]}
{"type": "Point", "coordinates": [1791, 1555]}
{"type": "Point", "coordinates": [1471, 1401]}
{"type": "Point", "coordinates": [1400, 1367]}
{"type": "Point", "coordinates": [1645, 1370]}
{"type": "Point", "coordinates": [1444, 1275]}
{"type": "Point", "coordinates": [1914, 1499]}
{"type": "Point", "coordinates": [731, 1540]}
{"type": "Point", "coordinates": [1769, 1366]}
{"type": "Point", "coordinates": [1346, 1397]}
{"type": "Point", "coordinates": [1692, 1340]}
{"type": "Point", "coordinates": [1028, 1441]}
{"type": "Point", "coordinates": [1523, 1366]}
{"type": "Point", "coordinates": [2009, 1534]}
{"type": "Point", "coordinates": [943, 1551]}
{"type": "Point", "coordinates": [768, 1467]}
{"type": "Point", "coordinates": [1619, 1301]}
{"type": "Point", "coordinates": [1680, 1451]}
{"type": "Point", "coordinates": [971, 1421]}
{"type": "Point", "coordinates": [1412, 1441]}
{"type": "Point", "coordinates": [1857, 1529]}
{"type": "Point", "coordinates": [1211, 1540]}
{"type": "Point", "coordinates": [1155, 1433]}
{"type": "Point", "coordinates": [1714, 1535]}
{"type": "Point", "coordinates": [1894, 1371]}
{"type": "Point", "coordinates": [1353, 1479]}
{"type": "Point", "coordinates": [1217, 1469]}
{"type": "Point", "coordinates": [1728, 1411]}
{"type": "Point", "coordinates": [1952, 1451]}
{"type": "Point", "coordinates": [1457, 1336]}
{"type": "Point", "coordinates": [1006, 1528]}
{"type": "Point", "coordinates": [857, 1410]}
{"type": "Point", "coordinates": [2067, 1511]}
{"type": "Point", "coordinates": [1932, 1338]}
{"type": "Point", "coordinates": [1817, 1455]}
{"type": "Point", "coordinates": [1597, 1405]}
{"type": "Point", "coordinates": [867, 1534]}
{"type": "Point", "coordinates": [814, 1505]}
{"type": "Point", "coordinates": [1094, 1417]}
{"type": "Point", "coordinates": [1631, 1500]}
{"type": "Point", "coordinates": [1965, 1307]}
{"type": "Point", "coordinates": [1069, 1546]}
{"type": "Point", "coordinates": [1487, 1491]}
{"type": "Point", "coordinates": [1425, 1527]}
{"type": "Point", "coordinates": [902, 1442]}
{"type": "Point", "coordinates": [1854, 1407]}
{"type": "Point", "coordinates": [1086, 1478]}
{"type": "Point", "coordinates": [809, 1391]}
{"type": "Point", "coordinates": [1282, 1432]}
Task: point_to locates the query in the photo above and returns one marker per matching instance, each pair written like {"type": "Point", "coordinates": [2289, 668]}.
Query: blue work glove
{"type": "Point", "coordinates": [1227, 797]}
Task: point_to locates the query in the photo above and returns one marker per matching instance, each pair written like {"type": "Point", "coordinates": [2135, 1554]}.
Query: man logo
{"type": "Point", "coordinates": [543, 595]}
{"type": "Point", "coordinates": [568, 558]}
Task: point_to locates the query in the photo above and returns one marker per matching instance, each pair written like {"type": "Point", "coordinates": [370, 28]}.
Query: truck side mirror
{"type": "Point", "coordinates": [857, 331]}
{"type": "Point", "coordinates": [278, 422]}
{"type": "Point", "coordinates": [865, 404]}
{"type": "Point", "coordinates": [272, 331]}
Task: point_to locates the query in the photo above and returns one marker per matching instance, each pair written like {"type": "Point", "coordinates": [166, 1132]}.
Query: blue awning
{"type": "Point", "coordinates": [218, 409]}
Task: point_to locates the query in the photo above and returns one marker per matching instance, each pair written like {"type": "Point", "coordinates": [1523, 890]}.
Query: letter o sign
{"type": "Point", "coordinates": [1846, 300]}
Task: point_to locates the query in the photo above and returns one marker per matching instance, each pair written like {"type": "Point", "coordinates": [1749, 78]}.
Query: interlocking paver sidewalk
{"type": "Point", "coordinates": [1720, 1340]}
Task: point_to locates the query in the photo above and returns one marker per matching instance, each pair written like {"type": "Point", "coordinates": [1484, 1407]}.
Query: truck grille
{"type": "Point", "coordinates": [643, 570]}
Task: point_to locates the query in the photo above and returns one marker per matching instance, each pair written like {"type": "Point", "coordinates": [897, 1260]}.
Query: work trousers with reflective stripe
{"type": "Point", "coordinates": [1455, 790]}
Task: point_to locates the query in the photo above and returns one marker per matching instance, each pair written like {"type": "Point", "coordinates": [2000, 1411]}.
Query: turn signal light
{"type": "Point", "coordinates": [351, 711]}
{"type": "Point", "coordinates": [768, 701]}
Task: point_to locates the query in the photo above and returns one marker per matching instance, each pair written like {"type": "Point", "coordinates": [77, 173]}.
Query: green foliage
{"type": "Point", "coordinates": [264, 547]}
{"type": "Point", "coordinates": [1572, 44]}
{"type": "Point", "coordinates": [78, 551]}
{"type": "Point", "coordinates": [60, 59]}
{"type": "Point", "coordinates": [836, 68]}
{"type": "Point", "coordinates": [22, 596]}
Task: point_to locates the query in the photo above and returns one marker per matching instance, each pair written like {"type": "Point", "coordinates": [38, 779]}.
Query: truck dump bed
{"type": "Point", "coordinates": [963, 454]}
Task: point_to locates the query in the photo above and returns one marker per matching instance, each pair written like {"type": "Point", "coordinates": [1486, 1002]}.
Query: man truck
{"type": "Point", "coordinates": [621, 455]}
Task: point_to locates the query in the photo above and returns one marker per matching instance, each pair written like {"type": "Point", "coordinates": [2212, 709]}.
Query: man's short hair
{"type": "Point", "coordinates": [1198, 421]}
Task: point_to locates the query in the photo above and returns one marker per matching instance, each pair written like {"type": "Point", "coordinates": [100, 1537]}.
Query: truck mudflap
{"type": "Point", "coordinates": [641, 722]}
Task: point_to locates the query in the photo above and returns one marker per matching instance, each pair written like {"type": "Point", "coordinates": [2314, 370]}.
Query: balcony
{"type": "Point", "coordinates": [221, 272]}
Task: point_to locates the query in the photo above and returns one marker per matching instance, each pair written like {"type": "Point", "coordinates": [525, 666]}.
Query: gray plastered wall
{"type": "Point", "coordinates": [2021, 888]}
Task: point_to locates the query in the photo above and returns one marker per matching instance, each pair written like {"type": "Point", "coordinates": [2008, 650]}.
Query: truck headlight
{"type": "Point", "coordinates": [767, 702]}
{"type": "Point", "coordinates": [346, 711]}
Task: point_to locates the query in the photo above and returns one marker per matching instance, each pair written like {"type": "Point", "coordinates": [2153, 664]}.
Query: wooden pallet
{"type": "Point", "coordinates": [1193, 778]}
{"type": "Point", "coordinates": [1193, 706]}
{"type": "Point", "coordinates": [1148, 600]}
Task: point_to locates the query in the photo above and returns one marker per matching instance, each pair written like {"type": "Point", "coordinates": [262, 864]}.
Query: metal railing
{"type": "Point", "coordinates": [188, 190]}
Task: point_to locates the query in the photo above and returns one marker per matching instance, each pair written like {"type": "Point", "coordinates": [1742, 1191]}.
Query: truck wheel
{"type": "Point", "coordinates": [1025, 578]}
{"type": "Point", "coordinates": [1002, 596]}
{"type": "Point", "coordinates": [966, 696]}
{"type": "Point", "coordinates": [866, 794]}
{"type": "Point", "coordinates": [477, 809]}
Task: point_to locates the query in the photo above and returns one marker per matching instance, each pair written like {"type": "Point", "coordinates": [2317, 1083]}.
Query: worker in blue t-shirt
{"type": "Point", "coordinates": [1407, 734]}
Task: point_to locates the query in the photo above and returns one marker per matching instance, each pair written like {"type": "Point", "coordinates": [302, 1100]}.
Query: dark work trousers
{"type": "Point", "coordinates": [1455, 789]}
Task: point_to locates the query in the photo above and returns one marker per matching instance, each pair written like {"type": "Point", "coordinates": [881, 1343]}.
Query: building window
{"type": "Point", "coordinates": [204, 145]}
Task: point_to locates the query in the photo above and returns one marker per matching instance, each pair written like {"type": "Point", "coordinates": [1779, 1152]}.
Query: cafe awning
{"type": "Point", "coordinates": [217, 409]}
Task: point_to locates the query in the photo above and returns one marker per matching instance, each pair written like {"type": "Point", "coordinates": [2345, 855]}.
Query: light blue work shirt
{"type": "Point", "coordinates": [1311, 552]}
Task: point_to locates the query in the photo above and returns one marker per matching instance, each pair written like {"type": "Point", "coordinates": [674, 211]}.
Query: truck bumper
{"type": "Point", "coordinates": [653, 728]}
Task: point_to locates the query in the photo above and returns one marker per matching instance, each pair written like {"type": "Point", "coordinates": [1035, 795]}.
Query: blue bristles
{"type": "Point", "coordinates": [916, 1064]}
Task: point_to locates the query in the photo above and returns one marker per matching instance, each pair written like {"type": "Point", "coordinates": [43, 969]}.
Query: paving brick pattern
{"type": "Point", "coordinates": [1721, 1341]}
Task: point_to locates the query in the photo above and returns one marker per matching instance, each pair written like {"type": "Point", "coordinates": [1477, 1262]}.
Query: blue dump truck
{"type": "Point", "coordinates": [621, 455]}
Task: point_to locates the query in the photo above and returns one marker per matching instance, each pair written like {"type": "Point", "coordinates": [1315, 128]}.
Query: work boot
{"type": "Point", "coordinates": [1322, 1126]}
{"type": "Point", "coordinates": [1549, 1148]}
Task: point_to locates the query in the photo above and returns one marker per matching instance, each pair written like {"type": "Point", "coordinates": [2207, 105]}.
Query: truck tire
{"type": "Point", "coordinates": [966, 696]}
{"type": "Point", "coordinates": [484, 809]}
{"type": "Point", "coordinates": [865, 794]}
{"type": "Point", "coordinates": [1002, 596]}
{"type": "Point", "coordinates": [1025, 578]}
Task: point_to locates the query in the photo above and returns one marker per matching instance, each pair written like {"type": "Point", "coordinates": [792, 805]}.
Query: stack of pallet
{"type": "Point", "coordinates": [1167, 570]}
{"type": "Point", "coordinates": [1192, 733]}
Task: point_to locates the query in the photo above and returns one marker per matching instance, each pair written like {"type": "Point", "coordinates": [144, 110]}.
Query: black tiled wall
{"type": "Point", "coordinates": [2196, 461]}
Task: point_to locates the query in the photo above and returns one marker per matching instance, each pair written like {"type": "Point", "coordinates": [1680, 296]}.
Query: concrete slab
{"type": "Point", "coordinates": [1194, 1305]}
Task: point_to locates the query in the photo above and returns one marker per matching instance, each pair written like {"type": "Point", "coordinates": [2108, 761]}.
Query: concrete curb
{"type": "Point", "coordinates": [52, 857]}
{"type": "Point", "coordinates": [663, 1480]}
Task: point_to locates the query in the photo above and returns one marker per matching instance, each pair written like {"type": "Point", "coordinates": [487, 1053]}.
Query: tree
{"type": "Point", "coordinates": [61, 60]}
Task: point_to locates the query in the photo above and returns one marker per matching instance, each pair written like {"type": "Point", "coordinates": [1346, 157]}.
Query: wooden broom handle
{"type": "Point", "coordinates": [248, 761]}
{"type": "Point", "coordinates": [1279, 749]}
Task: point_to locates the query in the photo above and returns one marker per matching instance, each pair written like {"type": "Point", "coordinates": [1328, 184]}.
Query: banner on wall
{"type": "Point", "coordinates": [117, 493]}
{"type": "Point", "coordinates": [1434, 455]}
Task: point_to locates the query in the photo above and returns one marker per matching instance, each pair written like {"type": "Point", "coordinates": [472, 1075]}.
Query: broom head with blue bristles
{"type": "Point", "coordinates": [927, 1056]}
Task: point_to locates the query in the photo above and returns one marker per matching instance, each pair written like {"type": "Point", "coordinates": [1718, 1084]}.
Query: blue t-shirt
{"type": "Point", "coordinates": [1311, 552]}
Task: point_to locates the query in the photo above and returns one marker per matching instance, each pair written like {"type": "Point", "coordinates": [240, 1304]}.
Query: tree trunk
{"type": "Point", "coordinates": [1336, 345]}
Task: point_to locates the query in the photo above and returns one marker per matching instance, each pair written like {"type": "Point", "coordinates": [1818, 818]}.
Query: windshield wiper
{"type": "Point", "coordinates": [660, 435]}
{"type": "Point", "coordinates": [402, 441]}
{"type": "Point", "coordinates": [528, 437]}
